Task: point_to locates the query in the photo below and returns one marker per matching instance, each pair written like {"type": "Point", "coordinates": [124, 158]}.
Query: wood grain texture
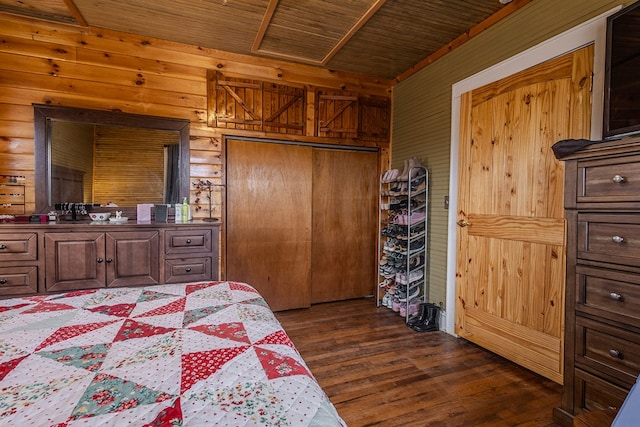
{"type": "Point", "coordinates": [269, 220]}
{"type": "Point", "coordinates": [344, 225]}
{"type": "Point", "coordinates": [377, 371]}
{"type": "Point", "coordinates": [511, 273]}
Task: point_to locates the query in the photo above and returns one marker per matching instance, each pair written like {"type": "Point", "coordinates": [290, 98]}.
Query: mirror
{"type": "Point", "coordinates": [101, 157]}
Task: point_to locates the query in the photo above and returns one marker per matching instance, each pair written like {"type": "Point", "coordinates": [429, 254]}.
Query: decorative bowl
{"type": "Point", "coordinates": [99, 216]}
{"type": "Point", "coordinates": [117, 220]}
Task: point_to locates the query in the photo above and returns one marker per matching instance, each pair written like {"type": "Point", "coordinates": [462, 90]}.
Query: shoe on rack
{"type": "Point", "coordinates": [415, 292]}
{"type": "Point", "coordinates": [417, 217]}
{"type": "Point", "coordinates": [416, 246]}
{"type": "Point", "coordinates": [427, 319]}
{"type": "Point", "coordinates": [390, 176]}
{"type": "Point", "coordinates": [385, 299]}
{"type": "Point", "coordinates": [404, 175]}
{"type": "Point", "coordinates": [413, 307]}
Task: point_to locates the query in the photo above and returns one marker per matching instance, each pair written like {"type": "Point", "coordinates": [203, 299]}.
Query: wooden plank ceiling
{"type": "Point", "coordinates": [376, 38]}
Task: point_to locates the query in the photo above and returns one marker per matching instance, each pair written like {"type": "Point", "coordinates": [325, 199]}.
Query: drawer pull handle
{"type": "Point", "coordinates": [615, 353]}
{"type": "Point", "coordinates": [619, 179]}
{"type": "Point", "coordinates": [618, 239]}
{"type": "Point", "coordinates": [3, 246]}
{"type": "Point", "coordinates": [3, 281]}
{"type": "Point", "coordinates": [188, 269]}
{"type": "Point", "coordinates": [99, 260]}
{"type": "Point", "coordinates": [109, 260]}
{"type": "Point", "coordinates": [616, 296]}
{"type": "Point", "coordinates": [188, 241]}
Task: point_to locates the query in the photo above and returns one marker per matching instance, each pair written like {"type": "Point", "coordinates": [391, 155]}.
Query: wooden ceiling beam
{"type": "Point", "coordinates": [76, 13]}
{"type": "Point", "coordinates": [266, 21]}
{"type": "Point", "coordinates": [377, 4]}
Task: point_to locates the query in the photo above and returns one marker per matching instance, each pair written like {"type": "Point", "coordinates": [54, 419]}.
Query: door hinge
{"type": "Point", "coordinates": [591, 84]}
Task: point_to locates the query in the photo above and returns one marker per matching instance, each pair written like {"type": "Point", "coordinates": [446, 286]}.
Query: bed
{"type": "Point", "coordinates": [193, 354]}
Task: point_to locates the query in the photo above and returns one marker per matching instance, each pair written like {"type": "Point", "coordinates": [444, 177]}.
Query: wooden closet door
{"type": "Point", "coordinates": [269, 220]}
{"type": "Point", "coordinates": [345, 187]}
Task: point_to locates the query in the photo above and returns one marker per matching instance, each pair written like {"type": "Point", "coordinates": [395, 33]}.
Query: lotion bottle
{"type": "Point", "coordinates": [185, 210]}
{"type": "Point", "coordinates": [178, 213]}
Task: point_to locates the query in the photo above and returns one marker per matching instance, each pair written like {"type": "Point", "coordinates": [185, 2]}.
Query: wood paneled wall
{"type": "Point", "coordinates": [56, 64]}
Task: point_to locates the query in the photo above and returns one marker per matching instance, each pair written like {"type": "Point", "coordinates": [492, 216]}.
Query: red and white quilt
{"type": "Point", "coordinates": [195, 354]}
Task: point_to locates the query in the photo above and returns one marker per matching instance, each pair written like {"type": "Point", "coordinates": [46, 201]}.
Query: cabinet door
{"type": "Point", "coordinates": [74, 261]}
{"type": "Point", "coordinates": [132, 258]}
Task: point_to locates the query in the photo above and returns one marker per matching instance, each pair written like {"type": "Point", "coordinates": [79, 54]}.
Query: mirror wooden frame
{"type": "Point", "coordinates": [42, 114]}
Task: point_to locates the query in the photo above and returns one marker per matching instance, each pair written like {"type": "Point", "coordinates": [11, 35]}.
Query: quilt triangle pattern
{"type": "Point", "coordinates": [278, 337]}
{"type": "Point", "coordinates": [236, 286]}
{"type": "Point", "coordinates": [48, 306]}
{"type": "Point", "coordinates": [74, 294]}
{"type": "Point", "coordinates": [200, 365]}
{"type": "Point", "coordinates": [169, 416]}
{"type": "Point", "coordinates": [167, 345]}
{"type": "Point", "coordinates": [147, 296]}
{"type": "Point", "coordinates": [23, 395]}
{"type": "Point", "coordinates": [133, 329]}
{"type": "Point", "coordinates": [119, 310]}
{"type": "Point", "coordinates": [191, 288]}
{"type": "Point", "coordinates": [277, 365]}
{"type": "Point", "coordinates": [8, 366]}
{"type": "Point", "coordinates": [174, 307]}
{"type": "Point", "coordinates": [108, 394]}
{"type": "Point", "coordinates": [12, 307]}
{"type": "Point", "coordinates": [192, 316]}
{"type": "Point", "coordinates": [67, 332]}
{"type": "Point", "coordinates": [255, 301]}
{"type": "Point", "coordinates": [232, 331]}
{"type": "Point", "coordinates": [209, 353]}
{"type": "Point", "coordinates": [256, 402]}
{"type": "Point", "coordinates": [88, 357]}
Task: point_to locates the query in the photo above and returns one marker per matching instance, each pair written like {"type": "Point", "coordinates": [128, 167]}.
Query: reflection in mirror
{"type": "Point", "coordinates": [104, 157]}
{"type": "Point", "coordinates": [113, 164]}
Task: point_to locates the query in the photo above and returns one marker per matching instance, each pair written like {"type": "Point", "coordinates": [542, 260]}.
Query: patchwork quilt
{"type": "Point", "coordinates": [194, 354]}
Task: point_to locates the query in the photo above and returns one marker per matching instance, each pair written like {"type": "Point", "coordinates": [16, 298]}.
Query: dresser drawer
{"type": "Point", "coordinates": [610, 179]}
{"type": "Point", "coordinates": [18, 246]}
{"type": "Point", "coordinates": [18, 280]}
{"type": "Point", "coordinates": [180, 270]}
{"type": "Point", "coordinates": [187, 241]}
{"type": "Point", "coordinates": [609, 238]}
{"type": "Point", "coordinates": [592, 393]}
{"type": "Point", "coordinates": [609, 293]}
{"type": "Point", "coordinates": [611, 351]}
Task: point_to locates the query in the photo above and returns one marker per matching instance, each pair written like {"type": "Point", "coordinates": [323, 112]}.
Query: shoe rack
{"type": "Point", "coordinates": [402, 241]}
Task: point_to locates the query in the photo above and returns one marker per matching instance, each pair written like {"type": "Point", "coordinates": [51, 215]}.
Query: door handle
{"type": "Point", "coordinates": [463, 223]}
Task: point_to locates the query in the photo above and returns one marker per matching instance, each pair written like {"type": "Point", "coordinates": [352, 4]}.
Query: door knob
{"type": "Point", "coordinates": [463, 223]}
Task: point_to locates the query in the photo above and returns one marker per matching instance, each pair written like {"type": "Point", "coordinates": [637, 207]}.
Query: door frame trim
{"type": "Point", "coordinates": [593, 32]}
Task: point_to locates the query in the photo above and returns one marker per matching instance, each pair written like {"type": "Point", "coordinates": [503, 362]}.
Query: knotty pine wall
{"type": "Point", "coordinates": [49, 63]}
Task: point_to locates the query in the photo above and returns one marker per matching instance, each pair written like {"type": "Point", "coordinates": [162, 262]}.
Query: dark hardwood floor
{"type": "Point", "coordinates": [377, 371]}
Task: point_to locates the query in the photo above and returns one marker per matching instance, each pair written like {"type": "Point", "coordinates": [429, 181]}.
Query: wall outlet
{"type": "Point", "coordinates": [446, 202]}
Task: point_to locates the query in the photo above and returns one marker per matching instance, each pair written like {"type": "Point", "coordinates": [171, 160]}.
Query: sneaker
{"type": "Point", "coordinates": [413, 276]}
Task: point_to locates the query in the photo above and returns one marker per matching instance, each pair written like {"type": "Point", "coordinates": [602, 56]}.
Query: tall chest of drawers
{"type": "Point", "coordinates": [602, 319]}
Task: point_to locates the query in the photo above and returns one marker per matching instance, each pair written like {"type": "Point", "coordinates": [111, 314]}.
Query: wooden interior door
{"type": "Point", "coordinates": [269, 220]}
{"type": "Point", "coordinates": [345, 192]}
{"type": "Point", "coordinates": [511, 236]}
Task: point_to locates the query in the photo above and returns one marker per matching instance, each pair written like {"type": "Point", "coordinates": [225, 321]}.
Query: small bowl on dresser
{"type": "Point", "coordinates": [118, 220]}
{"type": "Point", "coordinates": [99, 216]}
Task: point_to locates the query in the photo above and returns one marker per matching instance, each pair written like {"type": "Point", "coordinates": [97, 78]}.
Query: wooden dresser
{"type": "Point", "coordinates": [602, 323]}
{"type": "Point", "coordinates": [58, 257]}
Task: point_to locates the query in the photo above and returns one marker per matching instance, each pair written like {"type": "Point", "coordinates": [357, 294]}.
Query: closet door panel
{"type": "Point", "coordinates": [345, 185]}
{"type": "Point", "coordinates": [269, 220]}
